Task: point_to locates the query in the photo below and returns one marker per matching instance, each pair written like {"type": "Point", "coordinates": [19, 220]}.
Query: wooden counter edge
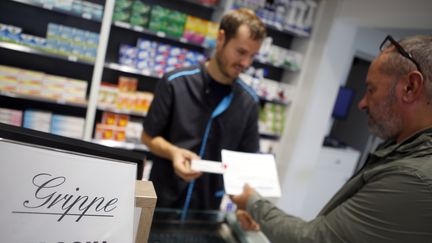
{"type": "Point", "coordinates": [145, 198]}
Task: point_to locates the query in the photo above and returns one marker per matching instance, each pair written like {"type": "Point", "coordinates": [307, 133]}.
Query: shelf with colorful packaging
{"type": "Point", "coordinates": [124, 98]}
{"type": "Point", "coordinates": [275, 71]}
{"type": "Point", "coordinates": [160, 34]}
{"type": "Point", "coordinates": [131, 70]}
{"type": "Point", "coordinates": [294, 17]}
{"type": "Point", "coordinates": [150, 39]}
{"type": "Point", "coordinates": [147, 39]}
{"type": "Point", "coordinates": [50, 33]}
{"type": "Point", "coordinates": [127, 51]}
{"type": "Point", "coordinates": [123, 145]}
{"type": "Point", "coordinates": [42, 52]}
{"type": "Point", "coordinates": [38, 98]}
{"type": "Point", "coordinates": [47, 64]}
{"type": "Point", "coordinates": [82, 9]}
{"type": "Point", "coordinates": [210, 4]}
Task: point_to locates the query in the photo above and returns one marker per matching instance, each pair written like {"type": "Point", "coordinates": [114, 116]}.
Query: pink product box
{"type": "Point", "coordinates": [11, 117]}
{"type": "Point", "coordinates": [194, 37]}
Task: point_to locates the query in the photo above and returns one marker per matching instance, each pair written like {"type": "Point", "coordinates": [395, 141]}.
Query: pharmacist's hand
{"type": "Point", "coordinates": [181, 160]}
{"type": "Point", "coordinates": [246, 221]}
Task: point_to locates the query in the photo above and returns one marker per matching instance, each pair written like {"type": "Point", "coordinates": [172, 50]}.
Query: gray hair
{"type": "Point", "coordinates": [420, 47]}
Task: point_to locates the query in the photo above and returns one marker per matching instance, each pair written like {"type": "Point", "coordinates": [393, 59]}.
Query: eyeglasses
{"type": "Point", "coordinates": [385, 44]}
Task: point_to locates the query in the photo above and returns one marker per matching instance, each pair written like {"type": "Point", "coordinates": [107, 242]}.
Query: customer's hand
{"type": "Point", "coordinates": [246, 221]}
{"type": "Point", "coordinates": [181, 159]}
{"type": "Point", "coordinates": [242, 199]}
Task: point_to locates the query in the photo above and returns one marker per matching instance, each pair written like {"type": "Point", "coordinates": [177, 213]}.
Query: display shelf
{"type": "Point", "coordinates": [122, 145]}
{"type": "Point", "coordinates": [289, 31]}
{"type": "Point", "coordinates": [159, 34]}
{"type": "Point", "coordinates": [51, 7]}
{"type": "Point", "coordinates": [131, 70]}
{"type": "Point", "coordinates": [43, 99]}
{"type": "Point", "coordinates": [274, 101]}
{"type": "Point", "coordinates": [269, 136]}
{"type": "Point", "coordinates": [34, 51]}
{"type": "Point", "coordinates": [276, 66]}
{"type": "Point", "coordinates": [200, 4]}
{"type": "Point", "coordinates": [121, 111]}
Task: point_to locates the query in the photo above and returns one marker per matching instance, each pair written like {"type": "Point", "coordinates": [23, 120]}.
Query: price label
{"type": "Point", "coordinates": [122, 24]}
{"type": "Point", "coordinates": [72, 58]}
{"type": "Point", "coordinates": [86, 15]}
{"type": "Point", "coordinates": [161, 34]}
{"type": "Point", "coordinates": [138, 28]}
{"type": "Point", "coordinates": [48, 6]}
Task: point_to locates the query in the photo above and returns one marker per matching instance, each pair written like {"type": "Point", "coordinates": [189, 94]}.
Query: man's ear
{"type": "Point", "coordinates": [221, 38]}
{"type": "Point", "coordinates": [413, 87]}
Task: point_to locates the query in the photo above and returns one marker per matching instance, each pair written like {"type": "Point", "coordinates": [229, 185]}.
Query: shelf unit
{"type": "Point", "coordinates": [160, 34]}
{"type": "Point", "coordinates": [106, 67]}
{"type": "Point", "coordinates": [18, 52]}
{"type": "Point", "coordinates": [51, 7]}
{"type": "Point", "coordinates": [123, 33]}
{"type": "Point", "coordinates": [42, 52]}
{"type": "Point", "coordinates": [36, 98]}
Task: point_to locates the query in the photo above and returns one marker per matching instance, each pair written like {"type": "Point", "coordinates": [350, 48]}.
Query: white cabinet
{"type": "Point", "coordinates": [335, 166]}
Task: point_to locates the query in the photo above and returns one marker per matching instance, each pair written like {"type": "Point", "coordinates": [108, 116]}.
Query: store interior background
{"type": "Point", "coordinates": [343, 30]}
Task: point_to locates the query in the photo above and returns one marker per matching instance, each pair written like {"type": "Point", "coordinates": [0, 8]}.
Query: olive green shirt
{"type": "Point", "coordinates": [389, 200]}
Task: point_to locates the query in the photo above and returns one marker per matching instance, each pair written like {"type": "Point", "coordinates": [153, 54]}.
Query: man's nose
{"type": "Point", "coordinates": [362, 105]}
{"type": "Point", "coordinates": [246, 61]}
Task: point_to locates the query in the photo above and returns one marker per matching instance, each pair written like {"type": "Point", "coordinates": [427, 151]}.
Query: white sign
{"type": "Point", "coordinates": [257, 170]}
{"type": "Point", "coordinates": [50, 196]}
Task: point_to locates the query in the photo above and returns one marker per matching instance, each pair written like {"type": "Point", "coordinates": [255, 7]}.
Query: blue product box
{"type": "Point", "coordinates": [144, 44]}
{"type": "Point", "coordinates": [128, 51]}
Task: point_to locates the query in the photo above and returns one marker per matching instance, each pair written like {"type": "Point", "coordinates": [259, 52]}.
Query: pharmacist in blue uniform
{"type": "Point", "coordinates": [198, 111]}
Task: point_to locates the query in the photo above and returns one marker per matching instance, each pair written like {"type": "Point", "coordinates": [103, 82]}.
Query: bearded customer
{"type": "Point", "coordinates": [390, 198]}
{"type": "Point", "coordinates": [197, 111]}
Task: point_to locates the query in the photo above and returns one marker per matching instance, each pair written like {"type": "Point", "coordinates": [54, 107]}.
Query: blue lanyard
{"type": "Point", "coordinates": [220, 108]}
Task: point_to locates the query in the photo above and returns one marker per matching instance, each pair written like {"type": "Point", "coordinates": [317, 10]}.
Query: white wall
{"type": "Point", "coordinates": [343, 29]}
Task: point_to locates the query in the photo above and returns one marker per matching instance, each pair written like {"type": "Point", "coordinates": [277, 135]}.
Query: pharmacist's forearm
{"type": "Point", "coordinates": [159, 146]}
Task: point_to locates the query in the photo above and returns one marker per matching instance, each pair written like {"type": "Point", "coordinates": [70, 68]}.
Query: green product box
{"type": "Point", "coordinates": [178, 17]}
{"type": "Point", "coordinates": [139, 7]}
{"type": "Point", "coordinates": [159, 13]}
{"type": "Point", "coordinates": [157, 25]}
{"type": "Point", "coordinates": [175, 30]}
{"type": "Point", "coordinates": [123, 4]}
{"type": "Point", "coordinates": [122, 16]}
{"type": "Point", "coordinates": [140, 14]}
{"type": "Point", "coordinates": [138, 20]}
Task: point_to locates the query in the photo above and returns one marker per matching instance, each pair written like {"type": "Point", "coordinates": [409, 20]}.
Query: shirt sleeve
{"type": "Point", "coordinates": [393, 207]}
{"type": "Point", "coordinates": [160, 110]}
{"type": "Point", "coordinates": [280, 227]}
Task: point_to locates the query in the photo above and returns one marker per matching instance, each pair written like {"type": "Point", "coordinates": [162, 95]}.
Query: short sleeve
{"type": "Point", "coordinates": [160, 110]}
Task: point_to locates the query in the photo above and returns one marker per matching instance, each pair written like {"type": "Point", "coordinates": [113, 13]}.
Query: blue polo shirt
{"type": "Point", "coordinates": [183, 104]}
